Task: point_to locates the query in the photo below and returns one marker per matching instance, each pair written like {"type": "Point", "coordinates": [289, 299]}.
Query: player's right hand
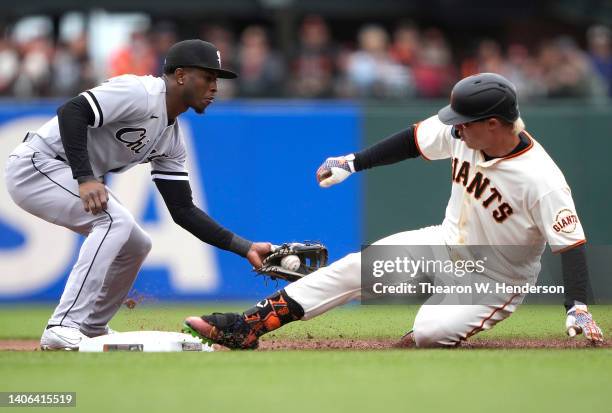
{"type": "Point", "coordinates": [258, 251]}
{"type": "Point", "coordinates": [335, 170]}
{"type": "Point", "coordinates": [579, 320]}
{"type": "Point", "coordinates": [94, 196]}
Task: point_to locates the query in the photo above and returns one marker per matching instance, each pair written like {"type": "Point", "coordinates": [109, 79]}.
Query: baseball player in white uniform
{"type": "Point", "coordinates": [505, 191]}
{"type": "Point", "coordinates": [57, 174]}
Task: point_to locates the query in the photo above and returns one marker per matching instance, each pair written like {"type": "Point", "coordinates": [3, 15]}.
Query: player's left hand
{"type": "Point", "coordinates": [258, 251]}
{"type": "Point", "coordinates": [579, 320]}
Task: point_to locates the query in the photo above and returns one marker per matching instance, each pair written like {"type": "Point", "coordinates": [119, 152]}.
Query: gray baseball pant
{"type": "Point", "coordinates": [112, 253]}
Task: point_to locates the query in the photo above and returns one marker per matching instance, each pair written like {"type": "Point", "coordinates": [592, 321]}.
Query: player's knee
{"type": "Point", "coordinates": [140, 242]}
{"type": "Point", "coordinates": [146, 243]}
{"type": "Point", "coordinates": [120, 223]}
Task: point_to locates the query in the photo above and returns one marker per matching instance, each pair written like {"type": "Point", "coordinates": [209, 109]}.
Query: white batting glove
{"type": "Point", "coordinates": [335, 170]}
{"type": "Point", "coordinates": [579, 320]}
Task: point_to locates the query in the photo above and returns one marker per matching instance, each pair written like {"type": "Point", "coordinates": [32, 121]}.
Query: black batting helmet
{"type": "Point", "coordinates": [481, 96]}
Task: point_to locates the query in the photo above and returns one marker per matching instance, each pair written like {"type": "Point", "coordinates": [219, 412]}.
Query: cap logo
{"type": "Point", "coordinates": [219, 57]}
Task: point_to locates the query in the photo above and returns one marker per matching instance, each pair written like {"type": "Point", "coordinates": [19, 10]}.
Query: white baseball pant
{"type": "Point", "coordinates": [434, 326]}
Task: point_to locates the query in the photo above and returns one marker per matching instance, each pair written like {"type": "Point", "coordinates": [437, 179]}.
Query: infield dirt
{"type": "Point", "coordinates": [365, 344]}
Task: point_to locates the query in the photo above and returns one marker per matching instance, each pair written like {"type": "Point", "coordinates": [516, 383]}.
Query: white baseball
{"type": "Point", "coordinates": [291, 262]}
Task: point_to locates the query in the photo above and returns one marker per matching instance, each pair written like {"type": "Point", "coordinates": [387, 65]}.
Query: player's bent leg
{"type": "Point", "coordinates": [118, 282]}
{"type": "Point", "coordinates": [340, 282]}
{"type": "Point", "coordinates": [108, 233]}
{"type": "Point", "coordinates": [306, 298]}
{"type": "Point", "coordinates": [448, 325]}
{"type": "Point", "coordinates": [44, 187]}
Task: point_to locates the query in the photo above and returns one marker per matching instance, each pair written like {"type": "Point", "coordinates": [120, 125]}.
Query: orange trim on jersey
{"type": "Point", "coordinates": [479, 328]}
{"type": "Point", "coordinates": [514, 155]}
{"type": "Point", "coordinates": [416, 141]}
{"type": "Point", "coordinates": [574, 245]}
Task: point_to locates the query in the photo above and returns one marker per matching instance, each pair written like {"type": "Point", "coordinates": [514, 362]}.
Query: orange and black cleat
{"type": "Point", "coordinates": [227, 329]}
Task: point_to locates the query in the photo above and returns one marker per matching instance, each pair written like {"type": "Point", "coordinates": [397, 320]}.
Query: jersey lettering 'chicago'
{"type": "Point", "coordinates": [134, 138]}
{"type": "Point", "coordinates": [519, 200]}
{"type": "Point", "coordinates": [130, 127]}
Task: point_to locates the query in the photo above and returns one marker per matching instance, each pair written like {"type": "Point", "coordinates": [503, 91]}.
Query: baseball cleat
{"type": "Point", "coordinates": [61, 338]}
{"type": "Point", "coordinates": [198, 328]}
{"type": "Point", "coordinates": [227, 329]}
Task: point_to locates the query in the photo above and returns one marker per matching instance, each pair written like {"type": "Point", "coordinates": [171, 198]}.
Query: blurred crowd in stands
{"type": "Point", "coordinates": [406, 62]}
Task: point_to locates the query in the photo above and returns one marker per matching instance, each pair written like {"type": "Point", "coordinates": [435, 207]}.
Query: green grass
{"type": "Point", "coordinates": [314, 381]}
{"type": "Point", "coordinates": [354, 321]}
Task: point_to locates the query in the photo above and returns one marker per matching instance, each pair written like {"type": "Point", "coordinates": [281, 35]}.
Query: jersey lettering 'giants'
{"type": "Point", "coordinates": [477, 187]}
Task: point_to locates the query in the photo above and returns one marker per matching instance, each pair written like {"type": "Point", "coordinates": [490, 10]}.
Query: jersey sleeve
{"type": "Point", "coordinates": [556, 217]}
{"type": "Point", "coordinates": [119, 98]}
{"type": "Point", "coordinates": [171, 165]}
{"type": "Point", "coordinates": [433, 139]}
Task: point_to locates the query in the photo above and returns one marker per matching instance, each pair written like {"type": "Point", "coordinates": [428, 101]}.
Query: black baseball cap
{"type": "Point", "coordinates": [197, 53]}
{"type": "Point", "coordinates": [481, 96]}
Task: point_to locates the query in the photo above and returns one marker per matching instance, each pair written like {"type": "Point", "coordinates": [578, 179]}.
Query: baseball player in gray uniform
{"type": "Point", "coordinates": [57, 174]}
{"type": "Point", "coordinates": [505, 191]}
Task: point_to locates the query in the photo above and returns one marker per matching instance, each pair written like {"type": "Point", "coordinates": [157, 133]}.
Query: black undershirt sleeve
{"type": "Point", "coordinates": [575, 276]}
{"type": "Point", "coordinates": [73, 118]}
{"type": "Point", "coordinates": [177, 196]}
{"type": "Point", "coordinates": [395, 148]}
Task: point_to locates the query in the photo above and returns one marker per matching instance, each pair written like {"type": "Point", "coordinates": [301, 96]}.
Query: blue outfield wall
{"type": "Point", "coordinates": [252, 169]}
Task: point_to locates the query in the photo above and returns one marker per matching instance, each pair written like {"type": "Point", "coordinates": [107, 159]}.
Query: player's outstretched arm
{"type": "Point", "coordinates": [397, 147]}
{"type": "Point", "coordinates": [178, 199]}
